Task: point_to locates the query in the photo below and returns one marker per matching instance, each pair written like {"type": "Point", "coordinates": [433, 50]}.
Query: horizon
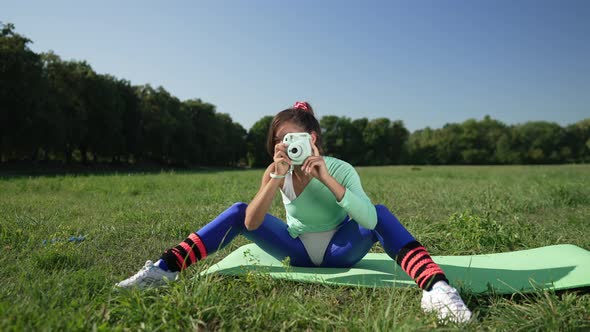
{"type": "Point", "coordinates": [425, 64]}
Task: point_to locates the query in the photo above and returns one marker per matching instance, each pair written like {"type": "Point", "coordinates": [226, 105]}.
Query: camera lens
{"type": "Point", "coordinates": [294, 150]}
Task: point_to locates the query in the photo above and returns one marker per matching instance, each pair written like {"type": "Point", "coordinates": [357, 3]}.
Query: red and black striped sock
{"type": "Point", "coordinates": [186, 253]}
{"type": "Point", "coordinates": [417, 263]}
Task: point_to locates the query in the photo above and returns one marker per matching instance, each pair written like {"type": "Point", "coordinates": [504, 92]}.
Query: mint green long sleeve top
{"type": "Point", "coordinates": [317, 210]}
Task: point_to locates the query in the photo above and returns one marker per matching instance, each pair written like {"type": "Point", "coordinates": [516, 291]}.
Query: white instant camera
{"type": "Point", "coordinates": [298, 147]}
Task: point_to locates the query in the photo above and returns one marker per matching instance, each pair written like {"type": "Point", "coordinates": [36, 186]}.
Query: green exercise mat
{"type": "Point", "coordinates": [554, 267]}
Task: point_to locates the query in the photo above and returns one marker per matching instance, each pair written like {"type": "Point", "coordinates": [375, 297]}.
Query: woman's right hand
{"type": "Point", "coordinates": [281, 159]}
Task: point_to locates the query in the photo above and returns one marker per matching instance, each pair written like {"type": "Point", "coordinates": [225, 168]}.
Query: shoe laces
{"type": "Point", "coordinates": [454, 298]}
{"type": "Point", "coordinates": [148, 265]}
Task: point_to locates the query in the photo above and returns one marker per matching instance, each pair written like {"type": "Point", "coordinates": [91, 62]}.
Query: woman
{"type": "Point", "coordinates": [330, 222]}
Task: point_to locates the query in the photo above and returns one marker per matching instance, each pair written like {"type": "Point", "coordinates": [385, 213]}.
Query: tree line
{"type": "Point", "coordinates": [473, 142]}
{"type": "Point", "coordinates": [52, 109]}
{"type": "Point", "coordinates": [57, 110]}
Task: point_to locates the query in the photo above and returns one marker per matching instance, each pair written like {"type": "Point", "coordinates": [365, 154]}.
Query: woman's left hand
{"type": "Point", "coordinates": [315, 165]}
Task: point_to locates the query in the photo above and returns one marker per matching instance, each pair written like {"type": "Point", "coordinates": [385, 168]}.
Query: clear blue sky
{"type": "Point", "coordinates": [424, 62]}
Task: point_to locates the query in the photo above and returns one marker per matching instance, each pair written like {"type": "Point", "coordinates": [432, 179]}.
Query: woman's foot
{"type": "Point", "coordinates": [446, 302]}
{"type": "Point", "coordinates": [150, 275]}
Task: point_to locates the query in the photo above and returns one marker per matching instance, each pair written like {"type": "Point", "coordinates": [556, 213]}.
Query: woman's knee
{"type": "Point", "coordinates": [382, 210]}
{"type": "Point", "coordinates": [386, 219]}
{"type": "Point", "coordinates": [385, 215]}
{"type": "Point", "coordinates": [240, 205]}
{"type": "Point", "coordinates": [393, 235]}
{"type": "Point", "coordinates": [239, 208]}
{"type": "Point", "coordinates": [233, 215]}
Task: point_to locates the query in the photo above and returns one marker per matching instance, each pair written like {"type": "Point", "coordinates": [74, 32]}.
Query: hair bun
{"type": "Point", "coordinates": [303, 105]}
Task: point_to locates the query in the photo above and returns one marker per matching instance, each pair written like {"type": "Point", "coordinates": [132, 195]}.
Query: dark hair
{"type": "Point", "coordinates": [302, 117]}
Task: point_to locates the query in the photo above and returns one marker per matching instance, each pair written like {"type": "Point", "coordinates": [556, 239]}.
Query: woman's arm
{"type": "Point", "coordinates": [316, 166]}
{"type": "Point", "coordinates": [348, 191]}
{"type": "Point", "coordinates": [356, 202]}
{"type": "Point", "coordinates": [351, 197]}
{"type": "Point", "coordinates": [335, 187]}
{"type": "Point", "coordinates": [260, 204]}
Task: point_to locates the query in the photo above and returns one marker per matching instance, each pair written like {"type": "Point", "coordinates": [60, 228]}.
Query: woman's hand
{"type": "Point", "coordinates": [316, 166]}
{"type": "Point", "coordinates": [281, 160]}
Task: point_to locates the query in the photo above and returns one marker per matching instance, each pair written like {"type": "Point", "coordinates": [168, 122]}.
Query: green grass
{"type": "Point", "coordinates": [127, 219]}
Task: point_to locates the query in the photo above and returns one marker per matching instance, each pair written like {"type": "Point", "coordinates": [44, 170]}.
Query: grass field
{"type": "Point", "coordinates": [49, 283]}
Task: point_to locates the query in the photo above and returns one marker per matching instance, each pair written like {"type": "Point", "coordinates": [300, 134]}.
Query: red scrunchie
{"type": "Point", "coordinates": [300, 105]}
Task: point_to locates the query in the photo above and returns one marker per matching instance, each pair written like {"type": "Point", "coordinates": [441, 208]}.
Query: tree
{"type": "Point", "coordinates": [70, 89]}
{"type": "Point", "coordinates": [398, 139]}
{"type": "Point", "coordinates": [238, 141]}
{"type": "Point", "coordinates": [538, 142]}
{"type": "Point", "coordinates": [232, 141]}
{"type": "Point", "coordinates": [577, 142]}
{"type": "Point", "coordinates": [131, 122]}
{"type": "Point", "coordinates": [158, 108]}
{"type": "Point", "coordinates": [376, 138]}
{"type": "Point", "coordinates": [357, 152]}
{"type": "Point", "coordinates": [21, 91]}
{"type": "Point", "coordinates": [479, 140]}
{"type": "Point", "coordinates": [338, 136]}
{"type": "Point", "coordinates": [256, 143]}
{"type": "Point", "coordinates": [105, 109]}
{"type": "Point", "coordinates": [206, 130]}
{"type": "Point", "coordinates": [422, 147]}
{"type": "Point", "coordinates": [182, 144]}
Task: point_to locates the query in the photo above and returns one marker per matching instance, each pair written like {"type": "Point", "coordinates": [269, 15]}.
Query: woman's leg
{"type": "Point", "coordinates": [352, 242]}
{"type": "Point", "coordinates": [400, 245]}
{"type": "Point", "coordinates": [349, 245]}
{"type": "Point", "coordinates": [272, 236]}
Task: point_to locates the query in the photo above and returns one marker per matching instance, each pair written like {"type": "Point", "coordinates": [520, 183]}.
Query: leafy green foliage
{"type": "Point", "coordinates": [256, 140]}
{"type": "Point", "coordinates": [21, 98]}
{"type": "Point", "coordinates": [51, 109]}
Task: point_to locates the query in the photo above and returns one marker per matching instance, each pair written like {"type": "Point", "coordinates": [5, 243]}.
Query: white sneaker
{"type": "Point", "coordinates": [446, 302]}
{"type": "Point", "coordinates": [150, 275]}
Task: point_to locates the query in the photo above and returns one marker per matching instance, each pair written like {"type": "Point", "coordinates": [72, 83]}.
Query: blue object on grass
{"type": "Point", "coordinates": [74, 239]}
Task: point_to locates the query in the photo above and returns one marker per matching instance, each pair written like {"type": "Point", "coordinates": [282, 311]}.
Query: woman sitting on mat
{"type": "Point", "coordinates": [330, 221]}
